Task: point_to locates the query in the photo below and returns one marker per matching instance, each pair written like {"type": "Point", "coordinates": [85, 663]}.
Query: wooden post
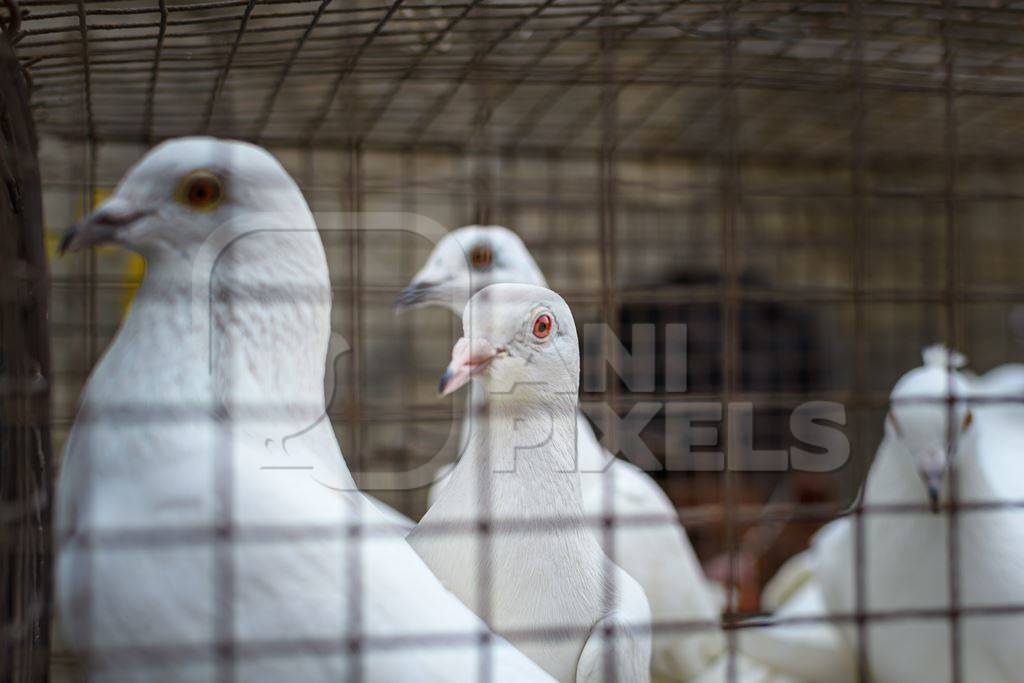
{"type": "Point", "coordinates": [25, 453]}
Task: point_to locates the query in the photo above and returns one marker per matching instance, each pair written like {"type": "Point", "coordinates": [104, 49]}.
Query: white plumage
{"type": "Point", "coordinates": [906, 555]}
{"type": "Point", "coordinates": [1004, 381]}
{"type": "Point", "coordinates": [193, 436]}
{"type": "Point", "coordinates": [657, 553]}
{"type": "Point", "coordinates": [537, 573]}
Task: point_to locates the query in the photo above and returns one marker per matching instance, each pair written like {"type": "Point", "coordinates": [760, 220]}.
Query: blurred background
{"type": "Point", "coordinates": [817, 190]}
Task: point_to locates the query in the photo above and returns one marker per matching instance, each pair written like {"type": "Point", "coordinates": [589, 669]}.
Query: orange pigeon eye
{"type": "Point", "coordinates": [481, 257]}
{"type": "Point", "coordinates": [201, 191]}
{"type": "Point", "coordinates": [542, 326]}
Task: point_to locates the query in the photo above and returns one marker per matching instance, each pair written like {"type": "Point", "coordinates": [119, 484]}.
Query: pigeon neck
{"type": "Point", "coordinates": [543, 437]}
{"type": "Point", "coordinates": [520, 460]}
{"type": "Point", "coordinates": [519, 496]}
{"type": "Point", "coordinates": [592, 457]}
{"type": "Point", "coordinates": [253, 320]}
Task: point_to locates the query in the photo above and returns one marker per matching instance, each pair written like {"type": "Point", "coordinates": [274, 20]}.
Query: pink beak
{"type": "Point", "coordinates": [469, 357]}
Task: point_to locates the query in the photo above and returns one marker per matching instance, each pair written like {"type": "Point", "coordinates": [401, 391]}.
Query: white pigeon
{"type": "Point", "coordinates": [657, 552]}
{"type": "Point", "coordinates": [208, 527]}
{"type": "Point", "coordinates": [1003, 381]}
{"type": "Point", "coordinates": [906, 554]}
{"type": "Point", "coordinates": [537, 568]}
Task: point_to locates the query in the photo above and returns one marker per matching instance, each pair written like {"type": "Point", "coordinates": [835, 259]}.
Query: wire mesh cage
{"type": "Point", "coordinates": [815, 191]}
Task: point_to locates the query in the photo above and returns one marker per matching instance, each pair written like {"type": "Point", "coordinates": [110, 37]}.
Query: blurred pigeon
{"type": "Point", "coordinates": [1002, 382]}
{"type": "Point", "coordinates": [933, 428]}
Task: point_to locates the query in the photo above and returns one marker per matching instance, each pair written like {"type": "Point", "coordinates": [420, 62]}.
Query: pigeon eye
{"type": "Point", "coordinates": [542, 326]}
{"type": "Point", "coordinates": [481, 257]}
{"type": "Point", "coordinates": [201, 191]}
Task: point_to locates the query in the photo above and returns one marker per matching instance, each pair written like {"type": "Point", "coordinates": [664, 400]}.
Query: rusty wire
{"type": "Point", "coordinates": [855, 90]}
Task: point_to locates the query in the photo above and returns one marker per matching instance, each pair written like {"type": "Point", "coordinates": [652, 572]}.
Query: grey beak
{"type": "Point", "coordinates": [934, 490]}
{"type": "Point", "coordinates": [445, 379]}
{"type": "Point", "coordinates": [415, 294]}
{"type": "Point", "coordinates": [82, 235]}
{"type": "Point", "coordinates": [99, 227]}
{"type": "Point", "coordinates": [932, 468]}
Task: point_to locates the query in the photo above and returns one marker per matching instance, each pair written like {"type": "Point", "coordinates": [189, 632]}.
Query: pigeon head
{"type": "Point", "coordinates": [183, 191]}
{"type": "Point", "coordinates": [930, 419]}
{"type": "Point", "coordinates": [520, 341]}
{"type": "Point", "coordinates": [466, 261]}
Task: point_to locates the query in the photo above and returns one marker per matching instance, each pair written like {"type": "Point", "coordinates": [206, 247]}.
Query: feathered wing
{"type": "Point", "coordinates": [1003, 381]}
{"type": "Point", "coordinates": [312, 584]}
{"type": "Point", "coordinates": [655, 551]}
{"type": "Point", "coordinates": [805, 650]}
{"type": "Point", "coordinates": [1001, 428]}
{"type": "Point", "coordinates": [619, 645]}
{"type": "Point", "coordinates": [360, 580]}
{"type": "Point", "coordinates": [992, 553]}
{"type": "Point", "coordinates": [804, 644]}
{"type": "Point", "coordinates": [794, 573]}
{"type": "Point", "coordinates": [607, 657]}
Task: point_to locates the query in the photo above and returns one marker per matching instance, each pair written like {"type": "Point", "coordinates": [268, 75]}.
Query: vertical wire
{"type": "Point", "coordinates": [275, 90]}
{"type": "Point", "coordinates": [951, 154]}
{"type": "Point", "coordinates": [485, 547]}
{"type": "Point", "coordinates": [407, 266]}
{"type": "Point", "coordinates": [730, 201]}
{"type": "Point", "coordinates": [356, 537]}
{"type": "Point", "coordinates": [553, 216]}
{"type": "Point", "coordinates": [355, 205]}
{"type": "Point", "coordinates": [858, 151]}
{"type": "Point", "coordinates": [482, 176]}
{"type": "Point", "coordinates": [483, 527]}
{"type": "Point", "coordinates": [83, 29]}
{"type": "Point", "coordinates": [222, 75]}
{"type": "Point", "coordinates": [89, 159]}
{"type": "Point", "coordinates": [507, 191]}
{"type": "Point", "coordinates": [480, 189]}
{"type": "Point", "coordinates": [147, 116]}
{"type": "Point", "coordinates": [607, 188]}
{"type": "Point", "coordinates": [224, 540]}
{"type": "Point", "coordinates": [553, 190]}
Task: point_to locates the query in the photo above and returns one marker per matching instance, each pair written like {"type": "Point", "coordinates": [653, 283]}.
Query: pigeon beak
{"type": "Point", "coordinates": [470, 357]}
{"type": "Point", "coordinates": [102, 226]}
{"type": "Point", "coordinates": [933, 477]}
{"type": "Point", "coordinates": [416, 294]}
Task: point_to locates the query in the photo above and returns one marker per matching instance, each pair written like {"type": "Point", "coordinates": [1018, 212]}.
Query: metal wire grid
{"type": "Point", "coordinates": [792, 104]}
{"type": "Point", "coordinates": [380, 295]}
{"type": "Point", "coordinates": [401, 73]}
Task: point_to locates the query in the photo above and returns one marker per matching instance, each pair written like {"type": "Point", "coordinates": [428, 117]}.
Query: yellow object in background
{"type": "Point", "coordinates": [134, 269]}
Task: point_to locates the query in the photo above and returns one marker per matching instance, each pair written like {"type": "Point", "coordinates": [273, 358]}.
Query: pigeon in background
{"type": "Point", "coordinates": [656, 553]}
{"type": "Point", "coordinates": [1004, 381]}
{"type": "Point", "coordinates": [207, 525]}
{"type": "Point", "coordinates": [540, 567]}
{"type": "Point", "coordinates": [933, 429]}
